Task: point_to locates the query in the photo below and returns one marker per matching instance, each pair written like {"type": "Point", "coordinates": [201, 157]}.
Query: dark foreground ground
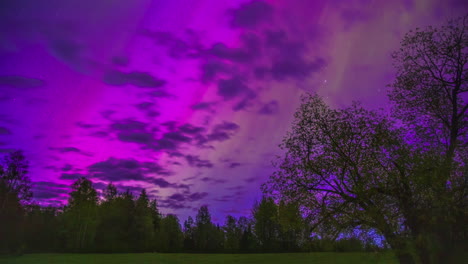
{"type": "Point", "coordinates": [156, 258]}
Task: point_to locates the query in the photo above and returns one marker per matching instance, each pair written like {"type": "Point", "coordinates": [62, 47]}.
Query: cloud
{"type": "Point", "coordinates": [120, 60]}
{"type": "Point", "coordinates": [179, 200]}
{"type": "Point", "coordinates": [233, 165]}
{"type": "Point", "coordinates": [4, 131]}
{"type": "Point", "coordinates": [221, 51]}
{"type": "Point", "coordinates": [269, 108]}
{"type": "Point", "coordinates": [213, 181]}
{"type": "Point", "coordinates": [119, 170]}
{"type": "Point", "coordinates": [251, 179]}
{"type": "Point", "coordinates": [206, 106]}
{"type": "Point", "coordinates": [70, 149]}
{"type": "Point", "coordinates": [144, 105]}
{"type": "Point", "coordinates": [49, 190]}
{"type": "Point", "coordinates": [220, 132]}
{"type": "Point", "coordinates": [191, 129]}
{"type": "Point", "coordinates": [20, 82]}
{"type": "Point", "coordinates": [195, 161]}
{"type": "Point", "coordinates": [231, 88]}
{"type": "Point", "coordinates": [211, 69]}
{"type": "Point", "coordinates": [67, 167]}
{"type": "Point", "coordinates": [353, 16]}
{"type": "Point", "coordinates": [71, 176]}
{"type": "Point", "coordinates": [135, 78]}
{"type": "Point", "coordinates": [144, 138]}
{"type": "Point", "coordinates": [251, 14]}
{"type": "Point", "coordinates": [128, 125]}
{"type": "Point", "coordinates": [177, 47]}
{"type": "Point", "coordinates": [294, 67]}
{"type": "Point", "coordinates": [86, 126]}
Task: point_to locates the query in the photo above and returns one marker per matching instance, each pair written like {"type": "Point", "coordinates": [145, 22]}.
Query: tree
{"type": "Point", "coordinates": [114, 222]}
{"type": "Point", "coordinates": [247, 242]}
{"type": "Point", "coordinates": [189, 234]}
{"type": "Point", "coordinates": [291, 226]}
{"type": "Point", "coordinates": [40, 228]}
{"type": "Point", "coordinates": [207, 236]}
{"type": "Point", "coordinates": [15, 191]}
{"type": "Point", "coordinates": [233, 234]}
{"type": "Point", "coordinates": [110, 193]}
{"type": "Point", "coordinates": [81, 216]}
{"type": "Point", "coordinates": [430, 96]}
{"type": "Point", "coordinates": [142, 230]}
{"type": "Point", "coordinates": [170, 234]}
{"type": "Point", "coordinates": [405, 175]}
{"type": "Point", "coordinates": [266, 225]}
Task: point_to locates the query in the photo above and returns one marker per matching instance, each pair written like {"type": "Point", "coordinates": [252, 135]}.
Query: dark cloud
{"type": "Point", "coordinates": [177, 137]}
{"type": "Point", "coordinates": [211, 69]}
{"type": "Point", "coordinates": [289, 58]}
{"type": "Point", "coordinates": [353, 16]}
{"type": "Point", "coordinates": [144, 105]}
{"type": "Point", "coordinates": [231, 88]}
{"type": "Point", "coordinates": [100, 134]}
{"type": "Point", "coordinates": [120, 60]}
{"type": "Point", "coordinates": [191, 129]}
{"type": "Point", "coordinates": [251, 14]}
{"type": "Point", "coordinates": [147, 108]}
{"type": "Point", "coordinates": [144, 138]}
{"type": "Point", "coordinates": [177, 47]}
{"type": "Point", "coordinates": [269, 108]}
{"type": "Point", "coordinates": [4, 131]}
{"type": "Point", "coordinates": [245, 102]}
{"type": "Point", "coordinates": [48, 190]}
{"type": "Point", "coordinates": [139, 79]}
{"type": "Point", "coordinates": [120, 170]}
{"type": "Point", "coordinates": [71, 176]}
{"type": "Point", "coordinates": [161, 94]}
{"type": "Point", "coordinates": [233, 165]}
{"type": "Point", "coordinates": [220, 132]}
{"type": "Point", "coordinates": [7, 150]}
{"type": "Point", "coordinates": [294, 67]}
{"type": "Point", "coordinates": [128, 125]}
{"type": "Point", "coordinates": [226, 126]}
{"type": "Point", "coordinates": [195, 161]}
{"type": "Point", "coordinates": [213, 181]}
{"type": "Point", "coordinates": [208, 106]}
{"type": "Point", "coordinates": [86, 126]}
{"type": "Point", "coordinates": [188, 197]}
{"type": "Point", "coordinates": [115, 170]}
{"type": "Point", "coordinates": [251, 179]}
{"type": "Point", "coordinates": [20, 82]}
{"type": "Point", "coordinates": [69, 150]}
{"type": "Point", "coordinates": [67, 167]}
{"type": "Point", "coordinates": [181, 200]}
{"type": "Point", "coordinates": [68, 51]}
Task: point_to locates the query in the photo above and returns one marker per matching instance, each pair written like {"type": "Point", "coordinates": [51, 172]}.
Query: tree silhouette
{"type": "Point", "coordinates": [15, 191]}
{"type": "Point", "coordinates": [404, 175]}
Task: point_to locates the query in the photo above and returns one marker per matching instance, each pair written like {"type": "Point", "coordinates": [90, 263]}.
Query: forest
{"type": "Point", "coordinates": [124, 222]}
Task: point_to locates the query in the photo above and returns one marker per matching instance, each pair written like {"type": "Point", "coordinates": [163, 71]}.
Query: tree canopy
{"type": "Point", "coordinates": [404, 173]}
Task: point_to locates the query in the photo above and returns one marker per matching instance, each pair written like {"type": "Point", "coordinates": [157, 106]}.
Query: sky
{"type": "Point", "coordinates": [188, 99]}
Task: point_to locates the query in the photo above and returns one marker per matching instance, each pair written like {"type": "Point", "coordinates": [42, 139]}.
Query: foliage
{"type": "Point", "coordinates": [402, 175]}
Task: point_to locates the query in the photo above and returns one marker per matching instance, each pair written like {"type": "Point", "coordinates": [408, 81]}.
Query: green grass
{"type": "Point", "coordinates": [156, 258]}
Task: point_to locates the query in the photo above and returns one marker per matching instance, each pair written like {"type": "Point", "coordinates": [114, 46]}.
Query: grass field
{"type": "Point", "coordinates": [155, 258]}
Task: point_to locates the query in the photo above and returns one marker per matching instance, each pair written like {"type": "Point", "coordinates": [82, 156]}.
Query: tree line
{"type": "Point", "coordinates": [124, 222]}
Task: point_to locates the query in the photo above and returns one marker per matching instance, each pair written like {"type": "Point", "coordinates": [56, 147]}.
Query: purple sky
{"type": "Point", "coordinates": [188, 99]}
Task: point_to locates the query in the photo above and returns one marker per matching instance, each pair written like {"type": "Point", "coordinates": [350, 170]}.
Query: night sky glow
{"type": "Point", "coordinates": [188, 99]}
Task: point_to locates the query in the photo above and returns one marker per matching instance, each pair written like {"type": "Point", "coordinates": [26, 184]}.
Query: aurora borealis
{"type": "Point", "coordinates": [188, 99]}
